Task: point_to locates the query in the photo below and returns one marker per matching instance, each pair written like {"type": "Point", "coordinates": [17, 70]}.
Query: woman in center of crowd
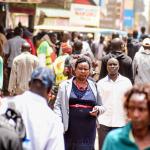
{"type": "Point", "coordinates": [78, 104]}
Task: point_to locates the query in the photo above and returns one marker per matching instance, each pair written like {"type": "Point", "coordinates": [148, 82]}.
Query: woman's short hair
{"type": "Point", "coordinates": [138, 89]}
{"type": "Point", "coordinates": [81, 60]}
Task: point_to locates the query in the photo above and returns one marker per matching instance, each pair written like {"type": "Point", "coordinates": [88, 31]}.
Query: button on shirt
{"type": "Point", "coordinates": [112, 93]}
{"type": "Point", "coordinates": [44, 129]}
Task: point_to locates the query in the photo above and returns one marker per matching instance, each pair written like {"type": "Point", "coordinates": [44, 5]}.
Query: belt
{"type": "Point", "coordinates": [80, 106]}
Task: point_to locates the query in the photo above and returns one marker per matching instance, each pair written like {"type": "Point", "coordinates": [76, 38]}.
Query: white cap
{"type": "Point", "coordinates": [146, 42]}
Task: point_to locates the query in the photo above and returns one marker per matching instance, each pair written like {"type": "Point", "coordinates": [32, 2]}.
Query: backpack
{"type": "Point", "coordinates": [12, 120]}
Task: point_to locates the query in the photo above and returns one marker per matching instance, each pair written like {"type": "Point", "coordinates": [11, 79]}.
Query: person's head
{"type": "Point", "coordinates": [26, 47]}
{"type": "Point", "coordinates": [9, 33]}
{"type": "Point", "coordinates": [82, 68]}
{"type": "Point", "coordinates": [66, 36]}
{"type": "Point", "coordinates": [66, 48]}
{"type": "Point", "coordinates": [137, 106]}
{"type": "Point", "coordinates": [135, 34]}
{"type": "Point", "coordinates": [90, 36]}
{"type": "Point", "coordinates": [117, 44]}
{"type": "Point", "coordinates": [27, 34]}
{"type": "Point", "coordinates": [115, 35]}
{"type": "Point", "coordinates": [80, 36]}
{"type": "Point", "coordinates": [53, 37]}
{"type": "Point", "coordinates": [18, 31]}
{"type": "Point", "coordinates": [146, 43]}
{"type": "Point", "coordinates": [38, 39]}
{"type": "Point", "coordinates": [143, 29]}
{"type": "Point", "coordinates": [77, 47]}
{"type": "Point", "coordinates": [41, 81]}
{"type": "Point", "coordinates": [102, 38]}
{"type": "Point", "coordinates": [112, 67]}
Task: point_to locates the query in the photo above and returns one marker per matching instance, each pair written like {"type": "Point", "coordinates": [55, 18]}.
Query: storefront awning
{"type": "Point", "coordinates": [21, 1]}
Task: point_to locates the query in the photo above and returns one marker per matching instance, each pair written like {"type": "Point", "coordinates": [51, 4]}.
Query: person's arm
{"type": "Point", "coordinates": [57, 105]}
{"type": "Point", "coordinates": [108, 143]}
{"type": "Point", "coordinates": [13, 79]}
{"type": "Point", "coordinates": [99, 108]}
{"type": "Point", "coordinates": [7, 53]}
{"type": "Point", "coordinates": [56, 138]}
{"type": "Point", "coordinates": [135, 67]}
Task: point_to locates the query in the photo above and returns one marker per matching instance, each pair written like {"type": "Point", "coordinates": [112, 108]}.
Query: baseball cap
{"type": "Point", "coordinates": [146, 42]}
{"type": "Point", "coordinates": [45, 75]}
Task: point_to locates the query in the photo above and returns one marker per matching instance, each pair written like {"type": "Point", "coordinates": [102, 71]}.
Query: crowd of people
{"type": "Point", "coordinates": [68, 86]}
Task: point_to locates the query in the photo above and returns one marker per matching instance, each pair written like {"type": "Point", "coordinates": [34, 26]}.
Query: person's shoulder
{"type": "Point", "coordinates": [124, 78]}
{"type": "Point", "coordinates": [65, 82]}
{"type": "Point", "coordinates": [125, 57]}
{"type": "Point", "coordinates": [114, 135]}
{"type": "Point", "coordinates": [19, 57]}
{"type": "Point", "coordinates": [104, 79]}
{"type": "Point", "coordinates": [33, 56]}
{"type": "Point", "coordinates": [106, 57]}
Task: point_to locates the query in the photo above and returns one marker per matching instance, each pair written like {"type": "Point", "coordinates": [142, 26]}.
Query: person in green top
{"type": "Point", "coordinates": [136, 134]}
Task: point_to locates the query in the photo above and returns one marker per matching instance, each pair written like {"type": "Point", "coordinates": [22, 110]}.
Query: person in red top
{"type": "Point", "coordinates": [27, 35]}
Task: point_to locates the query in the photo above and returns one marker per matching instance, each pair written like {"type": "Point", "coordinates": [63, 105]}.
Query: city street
{"type": "Point", "coordinates": [66, 65]}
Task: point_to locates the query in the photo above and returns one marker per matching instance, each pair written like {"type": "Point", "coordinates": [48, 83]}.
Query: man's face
{"type": "Point", "coordinates": [112, 66]}
{"type": "Point", "coordinates": [54, 39]}
{"type": "Point", "coordinates": [138, 111]}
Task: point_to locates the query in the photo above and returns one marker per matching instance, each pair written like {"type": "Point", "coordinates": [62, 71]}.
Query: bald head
{"type": "Point", "coordinates": [117, 44]}
{"type": "Point", "coordinates": [26, 47]}
{"type": "Point", "coordinates": [113, 60]}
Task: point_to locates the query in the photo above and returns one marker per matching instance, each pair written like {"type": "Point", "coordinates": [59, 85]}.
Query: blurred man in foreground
{"type": "Point", "coordinates": [44, 131]}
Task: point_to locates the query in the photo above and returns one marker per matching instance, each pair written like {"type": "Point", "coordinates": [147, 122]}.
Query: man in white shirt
{"type": "Point", "coordinates": [141, 63]}
{"type": "Point", "coordinates": [22, 68]}
{"type": "Point", "coordinates": [112, 89]}
{"type": "Point", "coordinates": [43, 128]}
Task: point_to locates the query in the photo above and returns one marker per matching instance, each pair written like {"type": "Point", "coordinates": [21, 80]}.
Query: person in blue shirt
{"type": "Point", "coordinates": [136, 134]}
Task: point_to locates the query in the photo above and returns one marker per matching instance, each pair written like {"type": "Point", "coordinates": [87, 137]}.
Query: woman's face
{"type": "Point", "coordinates": [138, 111]}
{"type": "Point", "coordinates": [82, 71]}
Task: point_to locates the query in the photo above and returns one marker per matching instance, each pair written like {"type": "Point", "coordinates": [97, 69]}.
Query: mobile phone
{"type": "Point", "coordinates": [95, 110]}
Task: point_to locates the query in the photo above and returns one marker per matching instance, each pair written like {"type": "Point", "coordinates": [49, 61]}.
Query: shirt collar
{"type": "Point", "coordinates": [40, 98]}
{"type": "Point", "coordinates": [109, 79]}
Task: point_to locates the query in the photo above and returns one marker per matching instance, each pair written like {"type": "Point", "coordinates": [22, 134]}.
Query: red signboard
{"type": "Point", "coordinates": [88, 2]}
{"type": "Point", "coordinates": [82, 1]}
{"type": "Point", "coordinates": [22, 8]}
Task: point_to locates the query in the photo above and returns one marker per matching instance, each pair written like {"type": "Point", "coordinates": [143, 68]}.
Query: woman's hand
{"type": "Point", "coordinates": [97, 110]}
{"type": "Point", "coordinates": [94, 111]}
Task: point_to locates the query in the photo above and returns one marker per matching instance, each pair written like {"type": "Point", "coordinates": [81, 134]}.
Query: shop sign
{"type": "Point", "coordinates": [21, 1]}
{"type": "Point", "coordinates": [85, 15]}
{"type": "Point", "coordinates": [22, 8]}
